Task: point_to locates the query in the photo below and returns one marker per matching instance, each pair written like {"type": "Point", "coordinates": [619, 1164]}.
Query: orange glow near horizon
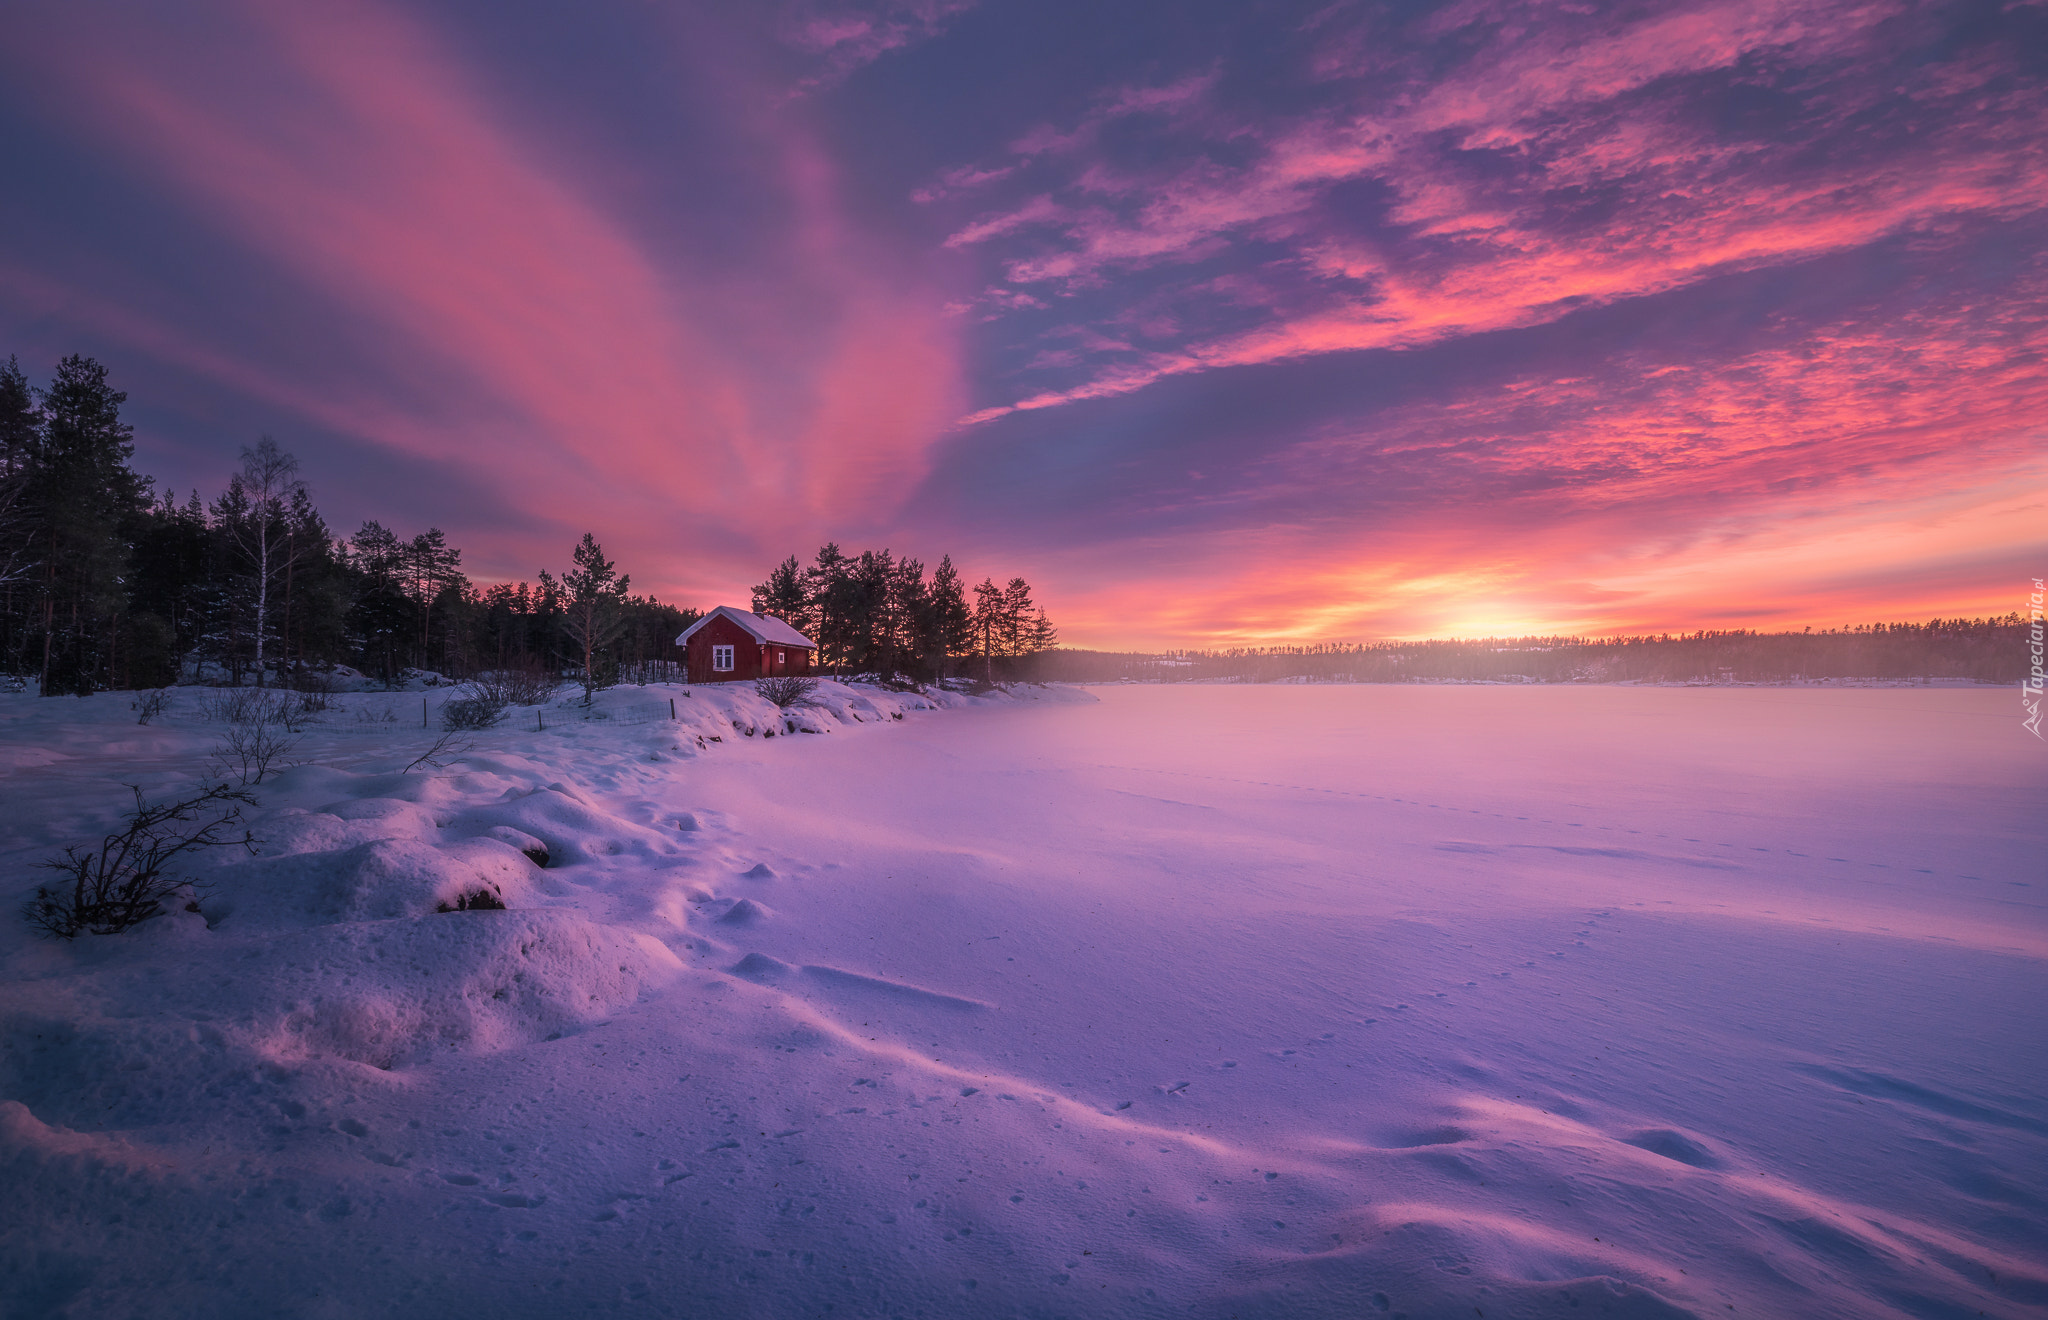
{"type": "Point", "coordinates": [1466, 321]}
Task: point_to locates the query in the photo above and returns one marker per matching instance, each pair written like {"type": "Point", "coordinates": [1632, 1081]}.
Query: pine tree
{"type": "Point", "coordinates": [596, 609]}
{"type": "Point", "coordinates": [230, 590]}
{"type": "Point", "coordinates": [431, 567]}
{"type": "Point", "coordinates": [21, 427]}
{"type": "Point", "coordinates": [909, 629]}
{"type": "Point", "coordinates": [828, 579]}
{"type": "Point", "coordinates": [952, 625]}
{"type": "Point", "coordinates": [312, 626]}
{"type": "Point", "coordinates": [786, 596]}
{"type": "Point", "coordinates": [988, 625]}
{"type": "Point", "coordinates": [167, 591]}
{"type": "Point", "coordinates": [380, 614]}
{"type": "Point", "coordinates": [83, 499]}
{"type": "Point", "coordinates": [1016, 617]}
{"type": "Point", "coordinates": [1040, 635]}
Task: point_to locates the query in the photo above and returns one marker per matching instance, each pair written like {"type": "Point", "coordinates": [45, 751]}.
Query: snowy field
{"type": "Point", "coordinates": [1136, 1001]}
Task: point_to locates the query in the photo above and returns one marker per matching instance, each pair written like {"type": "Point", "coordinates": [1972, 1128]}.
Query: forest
{"type": "Point", "coordinates": [1978, 650]}
{"type": "Point", "coordinates": [108, 582]}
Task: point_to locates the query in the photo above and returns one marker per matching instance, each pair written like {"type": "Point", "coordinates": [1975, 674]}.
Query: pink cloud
{"type": "Point", "coordinates": [603, 383]}
{"type": "Point", "coordinates": [851, 33]}
{"type": "Point", "coordinates": [1482, 250]}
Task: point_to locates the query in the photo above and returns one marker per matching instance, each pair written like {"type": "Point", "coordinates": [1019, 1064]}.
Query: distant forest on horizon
{"type": "Point", "coordinates": [1983, 650]}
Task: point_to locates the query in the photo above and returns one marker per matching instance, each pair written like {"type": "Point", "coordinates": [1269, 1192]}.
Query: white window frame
{"type": "Point", "coordinates": [782, 657]}
{"type": "Point", "coordinates": [721, 659]}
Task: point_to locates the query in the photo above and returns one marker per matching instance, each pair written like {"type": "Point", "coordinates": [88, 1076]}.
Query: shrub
{"type": "Point", "coordinates": [468, 714]}
{"type": "Point", "coordinates": [787, 692]}
{"type": "Point", "coordinates": [528, 684]}
{"type": "Point", "coordinates": [152, 704]}
{"type": "Point", "coordinates": [123, 882]}
{"type": "Point", "coordinates": [310, 702]}
{"type": "Point", "coordinates": [482, 900]}
{"type": "Point", "coordinates": [258, 706]}
{"type": "Point", "coordinates": [249, 752]}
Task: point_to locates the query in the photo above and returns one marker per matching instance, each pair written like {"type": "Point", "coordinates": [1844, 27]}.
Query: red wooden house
{"type": "Point", "coordinates": [729, 644]}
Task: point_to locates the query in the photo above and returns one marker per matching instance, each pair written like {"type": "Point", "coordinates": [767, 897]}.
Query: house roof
{"type": "Point", "coordinates": [761, 627]}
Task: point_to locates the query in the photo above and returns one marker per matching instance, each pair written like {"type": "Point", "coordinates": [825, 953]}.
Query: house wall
{"type": "Point", "coordinates": [750, 659]}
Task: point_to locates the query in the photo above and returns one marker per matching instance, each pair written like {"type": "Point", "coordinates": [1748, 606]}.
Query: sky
{"type": "Point", "coordinates": [1221, 323]}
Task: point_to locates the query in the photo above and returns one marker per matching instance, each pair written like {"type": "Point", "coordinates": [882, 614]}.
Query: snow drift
{"type": "Point", "coordinates": [1213, 1001]}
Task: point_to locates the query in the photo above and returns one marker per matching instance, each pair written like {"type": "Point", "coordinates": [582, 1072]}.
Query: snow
{"type": "Point", "coordinates": [762, 627]}
{"type": "Point", "coordinates": [1265, 1001]}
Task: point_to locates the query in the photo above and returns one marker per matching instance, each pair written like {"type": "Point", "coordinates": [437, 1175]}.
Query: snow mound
{"type": "Point", "coordinates": [566, 826]}
{"type": "Point", "coordinates": [394, 993]}
{"type": "Point", "coordinates": [375, 881]}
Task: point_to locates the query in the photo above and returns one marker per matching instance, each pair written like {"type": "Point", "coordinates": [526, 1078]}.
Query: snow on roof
{"type": "Point", "coordinates": [762, 627]}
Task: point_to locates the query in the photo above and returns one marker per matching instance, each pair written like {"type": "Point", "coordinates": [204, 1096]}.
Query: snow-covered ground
{"type": "Point", "coordinates": [1133, 1001]}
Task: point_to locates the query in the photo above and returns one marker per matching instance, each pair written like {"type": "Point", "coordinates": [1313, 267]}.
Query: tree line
{"type": "Point", "coordinates": [1985, 650]}
{"type": "Point", "coordinates": [875, 613]}
{"type": "Point", "coordinates": [108, 582]}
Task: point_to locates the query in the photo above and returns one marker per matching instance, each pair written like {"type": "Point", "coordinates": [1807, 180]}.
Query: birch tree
{"type": "Point", "coordinates": [267, 485]}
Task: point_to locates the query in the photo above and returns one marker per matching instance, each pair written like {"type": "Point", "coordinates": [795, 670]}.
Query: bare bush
{"type": "Point", "coordinates": [123, 881]}
{"type": "Point", "coordinates": [235, 705]}
{"type": "Point", "coordinates": [308, 702]}
{"type": "Point", "coordinates": [471, 713]}
{"type": "Point", "coordinates": [523, 685]}
{"type": "Point", "coordinates": [256, 706]}
{"type": "Point", "coordinates": [788, 692]}
{"type": "Point", "coordinates": [152, 704]}
{"type": "Point", "coordinates": [444, 749]}
{"type": "Point", "coordinates": [249, 752]}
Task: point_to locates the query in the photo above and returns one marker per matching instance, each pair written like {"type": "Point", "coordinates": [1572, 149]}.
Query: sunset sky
{"type": "Point", "coordinates": [1221, 323]}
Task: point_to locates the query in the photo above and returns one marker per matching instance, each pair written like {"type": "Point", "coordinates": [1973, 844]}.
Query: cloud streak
{"type": "Point", "coordinates": [584, 364]}
{"type": "Point", "coordinates": [1553, 171]}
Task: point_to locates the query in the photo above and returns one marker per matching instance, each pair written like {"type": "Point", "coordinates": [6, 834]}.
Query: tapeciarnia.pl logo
{"type": "Point", "coordinates": [2030, 686]}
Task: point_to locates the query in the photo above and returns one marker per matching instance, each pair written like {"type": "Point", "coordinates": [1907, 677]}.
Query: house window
{"type": "Point", "coordinates": [721, 659]}
{"type": "Point", "coordinates": [782, 657]}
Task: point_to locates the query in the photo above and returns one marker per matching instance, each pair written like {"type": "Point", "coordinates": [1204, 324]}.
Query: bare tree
{"type": "Point", "coordinates": [268, 482]}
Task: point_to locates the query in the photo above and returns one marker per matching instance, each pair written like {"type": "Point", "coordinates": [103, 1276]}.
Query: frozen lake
{"type": "Point", "coordinates": [1214, 1001]}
